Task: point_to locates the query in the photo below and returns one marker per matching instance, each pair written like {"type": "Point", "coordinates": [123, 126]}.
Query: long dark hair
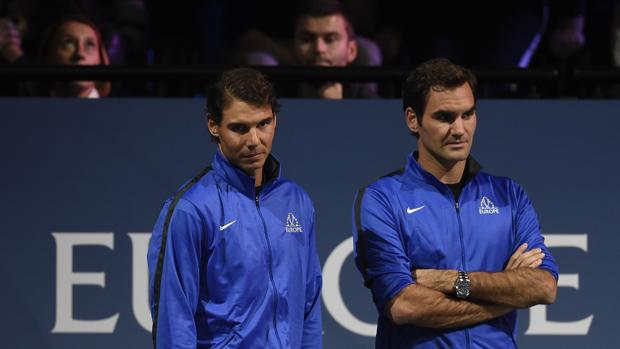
{"type": "Point", "coordinates": [103, 87]}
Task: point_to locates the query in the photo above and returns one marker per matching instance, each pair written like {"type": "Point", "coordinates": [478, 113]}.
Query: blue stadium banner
{"type": "Point", "coordinates": [83, 182]}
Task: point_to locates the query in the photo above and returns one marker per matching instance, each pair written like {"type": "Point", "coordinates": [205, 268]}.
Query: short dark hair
{"type": "Point", "coordinates": [437, 74]}
{"type": "Point", "coordinates": [244, 84]}
{"type": "Point", "coordinates": [324, 8]}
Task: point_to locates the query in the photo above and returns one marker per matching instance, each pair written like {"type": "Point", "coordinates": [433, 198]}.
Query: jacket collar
{"type": "Point", "coordinates": [239, 179]}
{"type": "Point", "coordinates": [472, 167]}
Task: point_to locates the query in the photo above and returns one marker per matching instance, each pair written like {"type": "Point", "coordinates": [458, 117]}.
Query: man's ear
{"type": "Point", "coordinates": [411, 120]}
{"type": "Point", "coordinates": [214, 129]}
{"type": "Point", "coordinates": [351, 51]}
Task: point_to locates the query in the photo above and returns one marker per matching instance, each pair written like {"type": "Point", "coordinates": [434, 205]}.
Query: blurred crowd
{"type": "Point", "coordinates": [563, 34]}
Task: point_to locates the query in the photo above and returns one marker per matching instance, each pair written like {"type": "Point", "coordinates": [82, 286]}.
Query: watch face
{"type": "Point", "coordinates": [462, 288]}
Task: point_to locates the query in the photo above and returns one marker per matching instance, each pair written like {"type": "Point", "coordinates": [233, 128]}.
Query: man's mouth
{"type": "Point", "coordinates": [251, 156]}
{"type": "Point", "coordinates": [322, 62]}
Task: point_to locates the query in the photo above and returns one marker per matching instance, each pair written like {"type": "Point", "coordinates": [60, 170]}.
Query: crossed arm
{"type": "Point", "coordinates": [425, 307]}
{"type": "Point", "coordinates": [429, 303]}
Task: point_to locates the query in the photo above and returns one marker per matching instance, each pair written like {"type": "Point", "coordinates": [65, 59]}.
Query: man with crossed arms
{"type": "Point", "coordinates": [448, 251]}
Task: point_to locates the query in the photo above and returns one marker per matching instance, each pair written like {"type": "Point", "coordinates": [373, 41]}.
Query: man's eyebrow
{"type": "Point", "coordinates": [451, 112]}
{"type": "Point", "coordinates": [444, 112]}
{"type": "Point", "coordinates": [305, 32]}
{"type": "Point", "coordinates": [268, 118]}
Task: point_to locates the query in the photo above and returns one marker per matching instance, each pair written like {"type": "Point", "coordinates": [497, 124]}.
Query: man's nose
{"type": "Point", "coordinates": [253, 139]}
{"type": "Point", "coordinates": [458, 128]}
{"type": "Point", "coordinates": [320, 45]}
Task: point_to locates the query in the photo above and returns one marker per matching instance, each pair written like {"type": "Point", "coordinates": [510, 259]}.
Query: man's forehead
{"type": "Point", "coordinates": [321, 25]}
{"type": "Point", "coordinates": [239, 111]}
{"type": "Point", "coordinates": [446, 98]}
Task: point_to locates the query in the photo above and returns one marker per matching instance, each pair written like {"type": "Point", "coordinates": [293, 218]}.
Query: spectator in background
{"type": "Point", "coordinates": [75, 40]}
{"type": "Point", "coordinates": [324, 36]}
{"type": "Point", "coordinates": [10, 42]}
{"type": "Point", "coordinates": [579, 36]}
{"type": "Point", "coordinates": [10, 53]}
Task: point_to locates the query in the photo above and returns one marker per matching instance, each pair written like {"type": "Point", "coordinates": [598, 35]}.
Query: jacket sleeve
{"type": "Point", "coordinates": [379, 252]}
{"type": "Point", "coordinates": [313, 329]}
{"type": "Point", "coordinates": [527, 229]}
{"type": "Point", "coordinates": [176, 296]}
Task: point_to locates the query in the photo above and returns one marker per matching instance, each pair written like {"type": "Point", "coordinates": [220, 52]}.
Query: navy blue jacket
{"type": "Point", "coordinates": [232, 268]}
{"type": "Point", "coordinates": [410, 220]}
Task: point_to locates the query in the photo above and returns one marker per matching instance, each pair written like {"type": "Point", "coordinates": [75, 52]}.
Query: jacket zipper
{"type": "Point", "coordinates": [273, 284]}
{"type": "Point", "coordinates": [463, 260]}
{"type": "Point", "coordinates": [458, 216]}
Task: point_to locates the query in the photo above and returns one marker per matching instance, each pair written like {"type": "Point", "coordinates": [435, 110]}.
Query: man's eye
{"type": "Point", "coordinates": [469, 114]}
{"type": "Point", "coordinates": [331, 38]}
{"type": "Point", "coordinates": [238, 128]}
{"type": "Point", "coordinates": [446, 117]}
{"type": "Point", "coordinates": [305, 39]}
{"type": "Point", "coordinates": [263, 124]}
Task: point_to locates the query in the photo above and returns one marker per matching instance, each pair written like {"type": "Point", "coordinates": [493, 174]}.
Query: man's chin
{"type": "Point", "coordinates": [321, 64]}
{"type": "Point", "coordinates": [251, 167]}
{"type": "Point", "coordinates": [459, 155]}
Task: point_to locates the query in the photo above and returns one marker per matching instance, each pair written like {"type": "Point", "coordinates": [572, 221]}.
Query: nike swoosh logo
{"type": "Point", "coordinates": [222, 227]}
{"type": "Point", "coordinates": [412, 210]}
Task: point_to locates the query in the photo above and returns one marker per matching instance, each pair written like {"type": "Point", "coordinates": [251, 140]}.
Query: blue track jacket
{"type": "Point", "coordinates": [232, 268]}
{"type": "Point", "coordinates": [409, 220]}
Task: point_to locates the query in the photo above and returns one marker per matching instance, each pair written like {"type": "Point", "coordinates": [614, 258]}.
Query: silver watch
{"type": "Point", "coordinates": [462, 285]}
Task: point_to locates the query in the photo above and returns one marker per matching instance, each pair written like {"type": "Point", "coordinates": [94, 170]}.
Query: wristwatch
{"type": "Point", "coordinates": [462, 285]}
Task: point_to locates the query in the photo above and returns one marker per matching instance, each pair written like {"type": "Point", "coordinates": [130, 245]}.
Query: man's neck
{"type": "Point", "coordinates": [447, 172]}
{"type": "Point", "coordinates": [258, 177]}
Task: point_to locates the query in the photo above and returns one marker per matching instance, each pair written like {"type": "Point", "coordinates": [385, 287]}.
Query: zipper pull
{"type": "Point", "coordinates": [456, 204]}
{"type": "Point", "coordinates": [256, 200]}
